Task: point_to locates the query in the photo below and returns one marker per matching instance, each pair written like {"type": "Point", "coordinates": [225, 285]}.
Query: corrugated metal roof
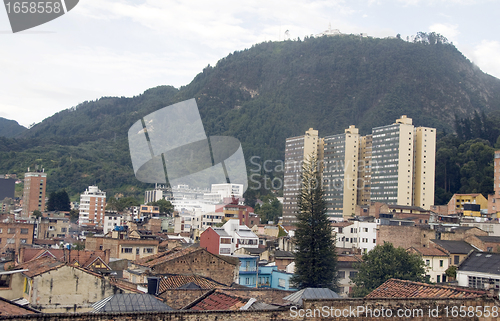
{"type": "Point", "coordinates": [311, 293]}
{"type": "Point", "coordinates": [130, 302]}
{"type": "Point", "coordinates": [484, 262]}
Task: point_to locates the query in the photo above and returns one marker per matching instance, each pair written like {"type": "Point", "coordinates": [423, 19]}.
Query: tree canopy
{"type": "Point", "coordinates": [59, 201]}
{"type": "Point", "coordinates": [383, 263]}
{"type": "Point", "coordinates": [315, 258]}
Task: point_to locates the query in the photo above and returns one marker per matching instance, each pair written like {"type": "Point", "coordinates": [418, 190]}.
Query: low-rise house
{"type": "Point", "coordinates": [283, 259]}
{"type": "Point", "coordinates": [13, 235]}
{"type": "Point", "coordinates": [480, 270]}
{"type": "Point", "coordinates": [192, 260]}
{"type": "Point", "coordinates": [485, 243]}
{"type": "Point", "coordinates": [436, 262]}
{"type": "Point", "coordinates": [53, 286]}
{"type": "Point", "coordinates": [457, 203]}
{"type": "Point", "coordinates": [346, 270]}
{"type": "Point", "coordinates": [457, 250]}
{"type": "Point", "coordinates": [230, 237]}
{"type": "Point", "coordinates": [122, 246]}
{"type": "Point", "coordinates": [247, 270]}
{"type": "Point", "coordinates": [52, 227]}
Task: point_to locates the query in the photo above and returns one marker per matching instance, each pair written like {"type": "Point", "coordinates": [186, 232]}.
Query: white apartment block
{"type": "Point", "coordinates": [92, 205]}
{"type": "Point", "coordinates": [356, 234]}
{"type": "Point", "coordinates": [111, 220]}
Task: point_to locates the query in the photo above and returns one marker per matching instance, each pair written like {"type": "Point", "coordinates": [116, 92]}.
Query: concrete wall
{"type": "Point", "coordinates": [69, 289]}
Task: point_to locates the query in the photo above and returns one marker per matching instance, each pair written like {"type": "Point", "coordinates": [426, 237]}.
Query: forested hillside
{"type": "Point", "coordinates": [263, 95]}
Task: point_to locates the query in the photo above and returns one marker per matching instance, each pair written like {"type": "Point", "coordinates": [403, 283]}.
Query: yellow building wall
{"type": "Point", "coordinates": [405, 169]}
{"type": "Point", "coordinates": [350, 172]}
{"type": "Point", "coordinates": [425, 167]}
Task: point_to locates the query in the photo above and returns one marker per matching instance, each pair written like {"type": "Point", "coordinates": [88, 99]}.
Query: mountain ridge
{"type": "Point", "coordinates": [262, 95]}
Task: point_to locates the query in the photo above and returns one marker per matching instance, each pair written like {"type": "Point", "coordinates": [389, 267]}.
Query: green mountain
{"type": "Point", "coordinates": [10, 128]}
{"type": "Point", "coordinates": [261, 96]}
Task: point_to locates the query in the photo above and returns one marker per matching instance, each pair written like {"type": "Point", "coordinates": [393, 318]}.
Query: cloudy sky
{"type": "Point", "coordinates": [123, 47]}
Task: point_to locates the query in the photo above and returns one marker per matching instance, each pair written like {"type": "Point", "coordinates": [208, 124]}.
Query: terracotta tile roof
{"type": "Point", "coordinates": [84, 257]}
{"type": "Point", "coordinates": [166, 256]}
{"type": "Point", "coordinates": [177, 252]}
{"type": "Point", "coordinates": [394, 288]}
{"type": "Point", "coordinates": [349, 258]}
{"type": "Point", "coordinates": [10, 308]}
{"type": "Point", "coordinates": [219, 300]}
{"type": "Point", "coordinates": [39, 266]}
{"type": "Point", "coordinates": [428, 251]}
{"type": "Point", "coordinates": [175, 281]}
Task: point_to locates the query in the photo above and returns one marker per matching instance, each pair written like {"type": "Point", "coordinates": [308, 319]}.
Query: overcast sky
{"type": "Point", "coordinates": [123, 47]}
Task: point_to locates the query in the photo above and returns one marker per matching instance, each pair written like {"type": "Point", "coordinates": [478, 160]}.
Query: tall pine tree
{"type": "Point", "coordinates": [315, 258]}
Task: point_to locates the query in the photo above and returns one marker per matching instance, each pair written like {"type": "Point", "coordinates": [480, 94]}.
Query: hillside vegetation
{"type": "Point", "coordinates": [261, 96]}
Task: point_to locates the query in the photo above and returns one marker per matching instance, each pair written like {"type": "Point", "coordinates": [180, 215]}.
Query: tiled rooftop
{"type": "Point", "coordinates": [394, 288]}
{"type": "Point", "coordinates": [428, 251]}
{"type": "Point", "coordinates": [219, 300]}
{"type": "Point", "coordinates": [39, 266]}
{"type": "Point", "coordinates": [10, 308]}
{"type": "Point", "coordinates": [175, 281]}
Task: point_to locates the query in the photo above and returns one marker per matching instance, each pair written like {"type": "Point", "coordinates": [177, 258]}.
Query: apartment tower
{"type": "Point", "coordinates": [364, 169]}
{"type": "Point", "coordinates": [92, 205]}
{"type": "Point", "coordinates": [340, 173]}
{"type": "Point", "coordinates": [35, 184]}
{"type": "Point", "coordinates": [297, 149]}
{"type": "Point", "coordinates": [392, 163]}
{"type": "Point", "coordinates": [424, 167]}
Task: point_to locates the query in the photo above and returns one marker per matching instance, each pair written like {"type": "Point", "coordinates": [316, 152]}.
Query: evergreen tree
{"type": "Point", "coordinates": [315, 259]}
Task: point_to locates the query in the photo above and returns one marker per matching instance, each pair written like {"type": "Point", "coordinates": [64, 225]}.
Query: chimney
{"type": "Point", "coordinates": [153, 285]}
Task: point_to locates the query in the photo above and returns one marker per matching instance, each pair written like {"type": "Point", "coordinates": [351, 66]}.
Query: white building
{"type": "Point", "coordinates": [356, 234]}
{"type": "Point", "coordinates": [436, 262]}
{"type": "Point", "coordinates": [92, 205]}
{"type": "Point", "coordinates": [110, 221]}
{"type": "Point", "coordinates": [480, 271]}
{"type": "Point", "coordinates": [241, 235]}
{"type": "Point", "coordinates": [202, 221]}
{"type": "Point", "coordinates": [228, 190]}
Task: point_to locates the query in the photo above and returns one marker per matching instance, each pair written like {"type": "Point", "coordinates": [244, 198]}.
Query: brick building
{"type": "Point", "coordinates": [123, 247]}
{"type": "Point", "coordinates": [13, 235]}
{"type": "Point", "coordinates": [194, 261]}
{"type": "Point", "coordinates": [35, 184]}
{"type": "Point", "coordinates": [92, 205]}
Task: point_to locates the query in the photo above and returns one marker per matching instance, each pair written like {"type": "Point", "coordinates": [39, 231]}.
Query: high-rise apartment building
{"type": "Point", "coordinates": [394, 165]}
{"type": "Point", "coordinates": [364, 169]}
{"type": "Point", "coordinates": [92, 205]}
{"type": "Point", "coordinates": [297, 149]}
{"type": "Point", "coordinates": [424, 167]}
{"type": "Point", "coordinates": [340, 173]}
{"type": "Point", "coordinates": [35, 184]}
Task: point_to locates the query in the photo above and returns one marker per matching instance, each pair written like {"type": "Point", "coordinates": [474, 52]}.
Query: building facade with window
{"type": "Point", "coordinates": [92, 206]}
{"type": "Point", "coordinates": [13, 235]}
{"type": "Point", "coordinates": [35, 184]}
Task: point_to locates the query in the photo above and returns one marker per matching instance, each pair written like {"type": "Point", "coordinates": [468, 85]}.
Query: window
{"type": "Point", "coordinates": [126, 250]}
{"type": "Point", "coordinates": [438, 278]}
{"type": "Point", "coordinates": [148, 250]}
{"type": "Point", "coordinates": [24, 231]}
{"type": "Point", "coordinates": [456, 259]}
{"type": "Point", "coordinates": [137, 251]}
{"type": "Point", "coordinates": [440, 264]}
{"type": "Point", "coordinates": [63, 229]}
{"type": "Point", "coordinates": [341, 274]}
{"type": "Point", "coordinates": [11, 241]}
{"type": "Point", "coordinates": [23, 241]}
{"type": "Point", "coordinates": [352, 274]}
{"type": "Point", "coordinates": [11, 231]}
{"type": "Point", "coordinates": [5, 280]}
{"type": "Point", "coordinates": [427, 262]}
